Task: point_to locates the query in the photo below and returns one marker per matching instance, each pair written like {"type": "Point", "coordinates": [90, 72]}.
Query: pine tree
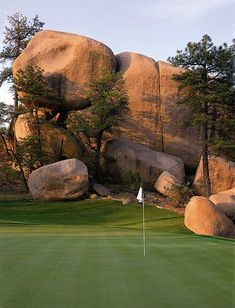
{"type": "Point", "coordinates": [108, 97]}
{"type": "Point", "coordinates": [206, 86]}
{"type": "Point", "coordinates": [16, 38]}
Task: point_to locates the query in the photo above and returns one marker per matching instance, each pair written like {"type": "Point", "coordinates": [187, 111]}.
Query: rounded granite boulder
{"type": "Point", "coordinates": [63, 180]}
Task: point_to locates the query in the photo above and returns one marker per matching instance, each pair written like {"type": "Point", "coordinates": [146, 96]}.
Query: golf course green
{"type": "Point", "coordinates": [90, 254]}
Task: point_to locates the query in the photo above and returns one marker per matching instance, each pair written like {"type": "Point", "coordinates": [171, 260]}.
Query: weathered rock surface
{"type": "Point", "coordinates": [155, 118]}
{"type": "Point", "coordinates": [204, 218]}
{"type": "Point", "coordinates": [167, 185]}
{"type": "Point", "coordinates": [53, 137]}
{"type": "Point", "coordinates": [101, 189]}
{"type": "Point", "coordinates": [64, 180]}
{"type": "Point", "coordinates": [225, 200]}
{"type": "Point", "coordinates": [69, 62]}
{"type": "Point", "coordinates": [222, 175]}
{"type": "Point", "coordinates": [176, 140]}
{"type": "Point", "coordinates": [142, 80]}
{"type": "Point", "coordinates": [123, 155]}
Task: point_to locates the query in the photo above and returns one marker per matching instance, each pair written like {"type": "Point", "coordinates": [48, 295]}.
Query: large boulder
{"type": "Point", "coordinates": [204, 218]}
{"type": "Point", "coordinates": [55, 140]}
{"type": "Point", "coordinates": [225, 200]}
{"type": "Point", "coordinates": [123, 156]}
{"type": "Point", "coordinates": [222, 175]}
{"type": "Point", "coordinates": [64, 180]}
{"type": "Point", "coordinates": [155, 119]}
{"type": "Point", "coordinates": [167, 185]}
{"type": "Point", "coordinates": [69, 62]}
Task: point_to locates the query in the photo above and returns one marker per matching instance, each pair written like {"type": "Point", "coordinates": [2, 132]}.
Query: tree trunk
{"type": "Point", "coordinates": [205, 162]}
{"type": "Point", "coordinates": [4, 144]}
{"type": "Point", "coordinates": [21, 170]}
{"type": "Point", "coordinates": [98, 149]}
{"type": "Point", "coordinates": [16, 100]}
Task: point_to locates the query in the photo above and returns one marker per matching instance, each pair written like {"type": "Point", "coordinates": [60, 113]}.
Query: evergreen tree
{"type": "Point", "coordinates": [35, 93]}
{"type": "Point", "coordinates": [206, 85]}
{"type": "Point", "coordinates": [6, 112]}
{"type": "Point", "coordinates": [16, 38]}
{"type": "Point", "coordinates": [108, 97]}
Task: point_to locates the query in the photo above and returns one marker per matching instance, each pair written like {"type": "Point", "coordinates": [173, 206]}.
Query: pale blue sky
{"type": "Point", "coordinates": [156, 28]}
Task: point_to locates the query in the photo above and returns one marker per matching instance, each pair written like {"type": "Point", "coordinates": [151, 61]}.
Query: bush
{"type": "Point", "coordinates": [182, 195]}
{"type": "Point", "coordinates": [132, 180]}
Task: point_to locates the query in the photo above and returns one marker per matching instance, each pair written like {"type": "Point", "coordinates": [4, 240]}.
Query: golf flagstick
{"type": "Point", "coordinates": [140, 198]}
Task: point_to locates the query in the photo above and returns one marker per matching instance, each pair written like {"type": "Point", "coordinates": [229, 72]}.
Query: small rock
{"type": "Point", "coordinates": [167, 185]}
{"type": "Point", "coordinates": [93, 196]}
{"type": "Point", "coordinates": [101, 190]}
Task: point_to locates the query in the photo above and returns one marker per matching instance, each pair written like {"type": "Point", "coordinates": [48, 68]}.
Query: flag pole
{"type": "Point", "coordinates": [144, 237]}
{"type": "Point", "coordinates": [140, 198]}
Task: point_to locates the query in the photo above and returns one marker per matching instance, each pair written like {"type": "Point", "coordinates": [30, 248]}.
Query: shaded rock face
{"type": "Point", "coordinates": [155, 118]}
{"type": "Point", "coordinates": [55, 140]}
{"type": "Point", "coordinates": [225, 200]}
{"type": "Point", "coordinates": [167, 185]}
{"type": "Point", "coordinates": [222, 175]}
{"type": "Point", "coordinates": [123, 155]}
{"type": "Point", "coordinates": [64, 180]}
{"type": "Point", "coordinates": [101, 189]}
{"type": "Point", "coordinates": [204, 218]}
{"type": "Point", "coordinates": [69, 62]}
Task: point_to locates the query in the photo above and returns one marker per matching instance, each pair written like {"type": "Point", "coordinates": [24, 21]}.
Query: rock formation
{"type": "Point", "coordinates": [69, 62]}
{"type": "Point", "coordinates": [155, 119]}
{"type": "Point", "coordinates": [176, 139]}
{"type": "Point", "coordinates": [204, 218]}
{"type": "Point", "coordinates": [222, 175]}
{"type": "Point", "coordinates": [123, 155]}
{"type": "Point", "coordinates": [64, 180]}
{"type": "Point", "coordinates": [54, 140]}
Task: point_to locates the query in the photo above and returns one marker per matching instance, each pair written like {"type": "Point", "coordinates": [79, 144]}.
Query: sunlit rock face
{"type": "Point", "coordinates": [176, 139]}
{"type": "Point", "coordinates": [204, 218]}
{"type": "Point", "coordinates": [64, 180]}
{"type": "Point", "coordinates": [168, 185]}
{"type": "Point", "coordinates": [225, 200]}
{"type": "Point", "coordinates": [55, 140]}
{"type": "Point", "coordinates": [69, 62]}
{"type": "Point", "coordinates": [123, 156]}
{"type": "Point", "coordinates": [155, 119]}
{"type": "Point", "coordinates": [142, 84]}
{"type": "Point", "coordinates": [222, 175]}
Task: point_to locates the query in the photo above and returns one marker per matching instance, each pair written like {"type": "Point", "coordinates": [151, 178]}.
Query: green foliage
{"type": "Point", "coordinates": [35, 89]}
{"type": "Point", "coordinates": [28, 153]}
{"type": "Point", "coordinates": [16, 37]}
{"type": "Point", "coordinates": [182, 194]}
{"type": "Point", "coordinates": [18, 34]}
{"type": "Point", "coordinates": [8, 174]}
{"type": "Point", "coordinates": [108, 97]}
{"type": "Point", "coordinates": [132, 180]}
{"type": "Point", "coordinates": [6, 112]}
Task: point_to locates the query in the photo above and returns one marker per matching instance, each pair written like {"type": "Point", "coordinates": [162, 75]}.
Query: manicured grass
{"type": "Point", "coordinates": [89, 254]}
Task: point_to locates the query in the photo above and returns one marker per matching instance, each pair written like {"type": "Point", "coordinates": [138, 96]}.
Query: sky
{"type": "Point", "coordinates": [156, 28]}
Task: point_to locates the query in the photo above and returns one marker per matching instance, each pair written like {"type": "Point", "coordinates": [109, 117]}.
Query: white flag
{"type": "Point", "coordinates": [140, 195]}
